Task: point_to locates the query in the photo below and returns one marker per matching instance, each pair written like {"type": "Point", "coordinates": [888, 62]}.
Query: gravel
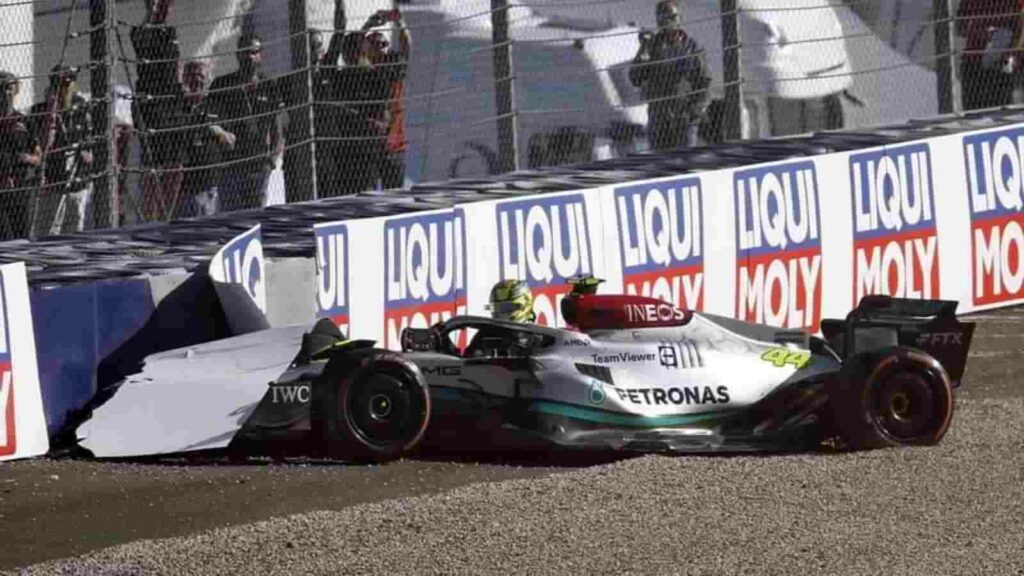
{"type": "Point", "coordinates": [956, 508]}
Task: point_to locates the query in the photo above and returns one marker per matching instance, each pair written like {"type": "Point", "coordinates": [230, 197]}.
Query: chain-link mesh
{"type": "Point", "coordinates": [989, 59]}
{"type": "Point", "coordinates": [149, 110]}
{"type": "Point", "coordinates": [48, 169]}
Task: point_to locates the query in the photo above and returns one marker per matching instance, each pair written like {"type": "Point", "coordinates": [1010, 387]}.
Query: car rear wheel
{"type": "Point", "coordinates": [894, 397]}
{"type": "Point", "coordinates": [379, 408]}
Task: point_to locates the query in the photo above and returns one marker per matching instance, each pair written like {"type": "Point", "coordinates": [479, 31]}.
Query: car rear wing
{"type": "Point", "coordinates": [876, 307]}
{"type": "Point", "coordinates": [881, 321]}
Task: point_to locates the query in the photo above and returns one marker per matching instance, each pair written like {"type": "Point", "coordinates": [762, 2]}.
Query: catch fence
{"type": "Point", "coordinates": [117, 113]}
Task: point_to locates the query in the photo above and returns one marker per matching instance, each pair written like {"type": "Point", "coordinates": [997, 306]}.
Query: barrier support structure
{"type": "Point", "coordinates": [733, 121]}
{"type": "Point", "coordinates": [102, 21]}
{"type": "Point", "coordinates": [503, 87]}
{"type": "Point", "coordinates": [947, 88]}
{"type": "Point", "coordinates": [305, 125]}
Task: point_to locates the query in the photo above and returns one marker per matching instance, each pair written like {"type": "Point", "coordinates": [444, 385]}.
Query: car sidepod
{"type": "Point", "coordinates": [698, 388]}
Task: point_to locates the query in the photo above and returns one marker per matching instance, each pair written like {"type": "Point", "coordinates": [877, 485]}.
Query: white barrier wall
{"type": "Point", "coordinates": [784, 243]}
{"type": "Point", "coordinates": [22, 421]}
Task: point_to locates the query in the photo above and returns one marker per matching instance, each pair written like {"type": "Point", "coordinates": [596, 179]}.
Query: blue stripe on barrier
{"type": "Point", "coordinates": [76, 327]}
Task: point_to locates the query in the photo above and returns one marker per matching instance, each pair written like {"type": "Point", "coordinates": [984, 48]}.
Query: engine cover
{"type": "Point", "coordinates": [604, 312]}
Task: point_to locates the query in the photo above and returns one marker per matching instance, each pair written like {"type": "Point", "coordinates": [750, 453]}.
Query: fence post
{"type": "Point", "coordinates": [947, 88]}
{"type": "Point", "coordinates": [101, 19]}
{"type": "Point", "coordinates": [301, 126]}
{"type": "Point", "coordinates": [733, 120]}
{"type": "Point", "coordinates": [504, 87]}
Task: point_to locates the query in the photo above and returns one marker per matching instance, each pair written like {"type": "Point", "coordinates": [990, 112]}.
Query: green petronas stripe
{"type": "Point", "coordinates": [615, 418]}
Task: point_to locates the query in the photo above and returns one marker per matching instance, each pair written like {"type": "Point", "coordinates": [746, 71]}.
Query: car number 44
{"type": "Point", "coordinates": [782, 357]}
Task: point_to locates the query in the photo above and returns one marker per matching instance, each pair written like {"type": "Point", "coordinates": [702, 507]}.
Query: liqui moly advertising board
{"type": "Point", "coordinates": [661, 246]}
{"type": "Point", "coordinates": [995, 188]}
{"type": "Point", "coordinates": [545, 241]}
{"type": "Point", "coordinates": [240, 261]}
{"type": "Point", "coordinates": [778, 242]}
{"type": "Point", "coordinates": [895, 245]}
{"type": "Point", "coordinates": [22, 422]}
{"type": "Point", "coordinates": [424, 271]}
{"type": "Point", "coordinates": [332, 290]}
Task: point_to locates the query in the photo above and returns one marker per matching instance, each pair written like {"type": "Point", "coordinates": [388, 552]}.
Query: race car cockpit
{"type": "Point", "coordinates": [486, 337]}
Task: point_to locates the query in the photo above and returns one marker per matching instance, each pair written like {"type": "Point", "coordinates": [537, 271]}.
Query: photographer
{"type": "Point", "coordinates": [63, 124]}
{"type": "Point", "coordinates": [357, 125]}
{"type": "Point", "coordinates": [990, 64]}
{"type": "Point", "coordinates": [671, 73]}
{"type": "Point", "coordinates": [387, 86]}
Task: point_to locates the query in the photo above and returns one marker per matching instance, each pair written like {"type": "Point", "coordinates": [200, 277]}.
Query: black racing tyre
{"type": "Point", "coordinates": [892, 397]}
{"type": "Point", "coordinates": [376, 406]}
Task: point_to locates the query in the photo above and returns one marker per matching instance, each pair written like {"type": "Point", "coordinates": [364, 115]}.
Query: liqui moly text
{"type": "Point", "coordinates": [544, 241]}
{"type": "Point", "coordinates": [995, 187]}
{"type": "Point", "coordinates": [424, 271]}
{"type": "Point", "coordinates": [661, 241]}
{"type": "Point", "coordinates": [240, 261]}
{"type": "Point", "coordinates": [332, 297]}
{"type": "Point", "coordinates": [778, 263]}
{"type": "Point", "coordinates": [895, 246]}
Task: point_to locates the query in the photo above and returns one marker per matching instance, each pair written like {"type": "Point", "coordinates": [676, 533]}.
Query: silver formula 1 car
{"type": "Point", "coordinates": [634, 374]}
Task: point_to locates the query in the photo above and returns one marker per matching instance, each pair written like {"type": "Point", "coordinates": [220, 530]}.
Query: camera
{"type": "Point", "coordinates": [382, 16]}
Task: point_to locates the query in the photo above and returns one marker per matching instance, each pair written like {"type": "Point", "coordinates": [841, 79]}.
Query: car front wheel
{"type": "Point", "coordinates": [377, 408]}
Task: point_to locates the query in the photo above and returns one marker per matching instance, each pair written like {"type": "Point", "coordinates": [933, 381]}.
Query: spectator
{"type": "Point", "coordinates": [317, 55]}
{"type": "Point", "coordinates": [358, 125]}
{"type": "Point", "coordinates": [63, 124]}
{"type": "Point", "coordinates": [158, 111]}
{"type": "Point", "coordinates": [671, 73]}
{"type": "Point", "coordinates": [340, 121]}
{"type": "Point", "coordinates": [248, 105]}
{"type": "Point", "coordinates": [390, 67]}
{"type": "Point", "coordinates": [204, 144]}
{"type": "Point", "coordinates": [329, 82]}
{"type": "Point", "coordinates": [990, 64]}
{"type": "Point", "coordinates": [124, 126]}
{"type": "Point", "coordinates": [19, 158]}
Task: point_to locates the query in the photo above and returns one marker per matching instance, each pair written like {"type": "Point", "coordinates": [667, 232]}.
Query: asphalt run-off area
{"type": "Point", "coordinates": [956, 508]}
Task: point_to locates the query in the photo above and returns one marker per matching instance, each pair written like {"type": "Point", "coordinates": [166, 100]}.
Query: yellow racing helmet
{"type": "Point", "coordinates": [512, 300]}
